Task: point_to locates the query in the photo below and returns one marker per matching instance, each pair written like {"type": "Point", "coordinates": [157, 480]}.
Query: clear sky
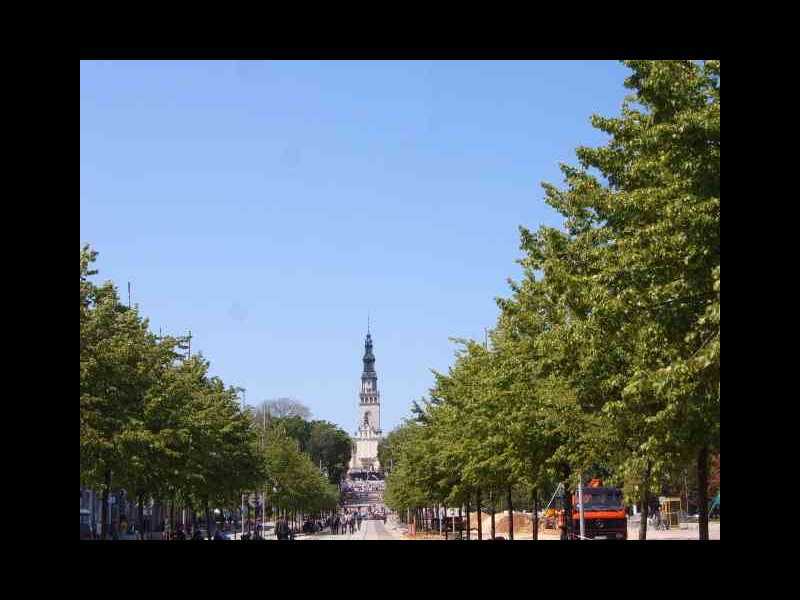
{"type": "Point", "coordinates": [268, 206]}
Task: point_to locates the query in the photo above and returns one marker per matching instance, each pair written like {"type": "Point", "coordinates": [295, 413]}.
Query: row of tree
{"type": "Point", "coordinates": [605, 357]}
{"type": "Point", "coordinates": [155, 423]}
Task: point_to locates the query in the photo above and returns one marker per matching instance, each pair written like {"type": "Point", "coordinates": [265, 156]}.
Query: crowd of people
{"type": "Point", "coordinates": [362, 487]}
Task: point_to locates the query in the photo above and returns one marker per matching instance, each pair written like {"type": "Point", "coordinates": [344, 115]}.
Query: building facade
{"type": "Point", "coordinates": [364, 456]}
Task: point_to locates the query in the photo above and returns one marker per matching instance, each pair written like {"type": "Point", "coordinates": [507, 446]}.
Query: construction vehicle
{"type": "Point", "coordinates": [604, 516]}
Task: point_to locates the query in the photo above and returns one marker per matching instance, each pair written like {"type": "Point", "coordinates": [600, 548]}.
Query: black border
{"type": "Point", "coordinates": [500, 52]}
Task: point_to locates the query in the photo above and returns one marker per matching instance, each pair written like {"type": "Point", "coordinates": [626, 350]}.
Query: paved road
{"type": "Point", "coordinates": [370, 530]}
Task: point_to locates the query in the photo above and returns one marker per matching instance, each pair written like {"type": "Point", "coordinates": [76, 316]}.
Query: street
{"type": "Point", "coordinates": [370, 530]}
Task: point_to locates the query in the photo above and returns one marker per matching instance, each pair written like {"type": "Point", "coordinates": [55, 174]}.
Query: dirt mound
{"type": "Point", "coordinates": [522, 523]}
{"type": "Point", "coordinates": [486, 521]}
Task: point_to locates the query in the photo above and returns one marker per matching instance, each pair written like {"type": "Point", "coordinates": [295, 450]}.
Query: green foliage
{"type": "Point", "coordinates": [330, 447]}
{"type": "Point", "coordinates": [151, 417]}
{"type": "Point", "coordinates": [294, 479]}
{"type": "Point", "coordinates": [165, 428]}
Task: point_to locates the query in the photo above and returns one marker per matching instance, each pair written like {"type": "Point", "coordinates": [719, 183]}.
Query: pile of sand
{"type": "Point", "coordinates": [473, 519]}
{"type": "Point", "coordinates": [523, 524]}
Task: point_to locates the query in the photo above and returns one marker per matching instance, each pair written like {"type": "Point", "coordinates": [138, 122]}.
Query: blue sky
{"type": "Point", "coordinates": [268, 206]}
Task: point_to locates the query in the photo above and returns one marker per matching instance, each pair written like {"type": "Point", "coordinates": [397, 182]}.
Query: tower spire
{"type": "Point", "coordinates": [367, 322]}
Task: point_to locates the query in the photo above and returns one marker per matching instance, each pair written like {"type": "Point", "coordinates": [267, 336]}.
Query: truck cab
{"type": "Point", "coordinates": [604, 516]}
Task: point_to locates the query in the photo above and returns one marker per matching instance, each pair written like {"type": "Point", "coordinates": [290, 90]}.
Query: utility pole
{"type": "Point", "coordinates": [129, 294]}
{"type": "Point", "coordinates": [190, 345]}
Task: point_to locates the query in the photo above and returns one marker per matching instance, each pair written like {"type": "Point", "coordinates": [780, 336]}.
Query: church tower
{"type": "Point", "coordinates": [370, 404]}
{"type": "Point", "coordinates": [365, 443]}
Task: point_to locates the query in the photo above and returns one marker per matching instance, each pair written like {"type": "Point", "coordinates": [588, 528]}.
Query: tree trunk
{"type": "Point", "coordinates": [510, 516]}
{"type": "Point", "coordinates": [644, 499]}
{"type": "Point", "coordinates": [459, 515]}
{"type": "Point", "coordinates": [467, 507]}
{"type": "Point", "coordinates": [567, 523]}
{"type": "Point", "coordinates": [480, 520]}
{"type": "Point", "coordinates": [535, 514]}
{"type": "Point", "coordinates": [491, 502]}
{"type": "Point", "coordinates": [104, 533]}
{"type": "Point", "coordinates": [172, 518]}
{"type": "Point", "coordinates": [208, 519]}
{"type": "Point", "coordinates": [702, 483]}
{"type": "Point", "coordinates": [140, 516]}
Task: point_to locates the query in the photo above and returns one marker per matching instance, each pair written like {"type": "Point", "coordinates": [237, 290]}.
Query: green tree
{"type": "Point", "coordinates": [119, 364]}
{"type": "Point", "coordinates": [653, 231]}
{"type": "Point", "coordinates": [330, 447]}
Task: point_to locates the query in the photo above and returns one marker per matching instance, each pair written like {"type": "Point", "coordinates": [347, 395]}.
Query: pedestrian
{"type": "Point", "coordinates": [198, 535]}
{"type": "Point", "coordinates": [179, 533]}
{"type": "Point", "coordinates": [218, 535]}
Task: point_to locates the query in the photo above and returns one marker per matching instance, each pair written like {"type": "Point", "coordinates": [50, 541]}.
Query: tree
{"type": "Point", "coordinates": [329, 446]}
{"type": "Point", "coordinates": [119, 363]}
{"type": "Point", "coordinates": [152, 419]}
{"type": "Point", "coordinates": [286, 407]}
{"type": "Point", "coordinates": [656, 233]}
{"type": "Point", "coordinates": [605, 358]}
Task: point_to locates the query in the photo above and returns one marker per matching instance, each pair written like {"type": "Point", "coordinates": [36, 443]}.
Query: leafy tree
{"type": "Point", "coordinates": [286, 407]}
{"type": "Point", "coordinates": [151, 419]}
{"type": "Point", "coordinates": [653, 233]}
{"type": "Point", "coordinates": [119, 363]}
{"type": "Point", "coordinates": [605, 358]}
{"type": "Point", "coordinates": [330, 447]}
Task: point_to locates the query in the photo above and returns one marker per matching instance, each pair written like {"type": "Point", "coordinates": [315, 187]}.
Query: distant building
{"type": "Point", "coordinates": [365, 443]}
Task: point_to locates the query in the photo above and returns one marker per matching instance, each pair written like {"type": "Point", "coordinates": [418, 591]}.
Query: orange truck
{"type": "Point", "coordinates": [604, 516]}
